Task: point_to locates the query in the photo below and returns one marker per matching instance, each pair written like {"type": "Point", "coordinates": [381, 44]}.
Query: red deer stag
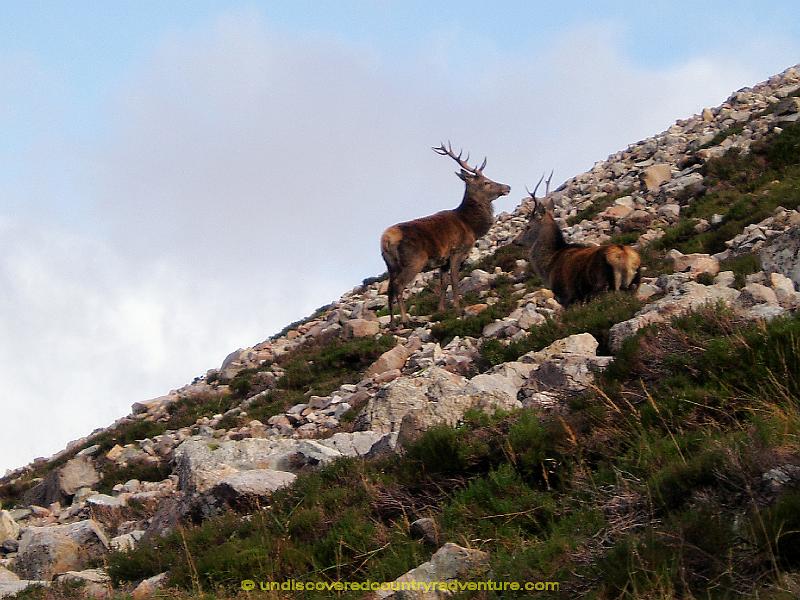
{"type": "Point", "coordinates": [440, 240]}
{"type": "Point", "coordinates": [575, 272]}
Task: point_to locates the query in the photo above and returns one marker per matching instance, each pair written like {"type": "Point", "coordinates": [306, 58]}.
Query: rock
{"type": "Point", "coordinates": [386, 410]}
{"type": "Point", "coordinates": [9, 546]}
{"type": "Point", "coordinates": [391, 359]}
{"type": "Point", "coordinates": [477, 280]}
{"type": "Point", "coordinates": [782, 254]}
{"type": "Point", "coordinates": [646, 291]}
{"type": "Point", "coordinates": [638, 220]}
{"type": "Point", "coordinates": [580, 343]}
{"type": "Point", "coordinates": [12, 588]}
{"type": "Point", "coordinates": [155, 406]}
{"type": "Point", "coordinates": [755, 293]}
{"type": "Point", "coordinates": [616, 212]}
{"type": "Point", "coordinates": [785, 291]}
{"type": "Point", "coordinates": [428, 398]}
{"type": "Point", "coordinates": [725, 278]}
{"type": "Point", "coordinates": [425, 529]}
{"type": "Point", "coordinates": [110, 511]}
{"type": "Point", "coordinates": [451, 562]}
{"type": "Point", "coordinates": [473, 310]}
{"type": "Point", "coordinates": [527, 316]}
{"type": "Point", "coordinates": [670, 211]}
{"type": "Point", "coordinates": [246, 489]}
{"type": "Point", "coordinates": [126, 542]}
{"type": "Point", "coordinates": [503, 382]}
{"type": "Point", "coordinates": [767, 312]}
{"type": "Point", "coordinates": [202, 463]}
{"type": "Point", "coordinates": [566, 366]}
{"type": "Point", "coordinates": [653, 176]}
{"type": "Point", "coordinates": [779, 477]}
{"type": "Point", "coordinates": [358, 328]}
{"type": "Point", "coordinates": [694, 263]}
{"type": "Point", "coordinates": [61, 484]}
{"type": "Point", "coordinates": [688, 296]}
{"type": "Point", "coordinates": [149, 587]}
{"type": "Point", "coordinates": [9, 530]}
{"type": "Point", "coordinates": [94, 583]}
{"type": "Point", "coordinates": [7, 576]}
{"type": "Point", "coordinates": [46, 551]}
{"type": "Point", "coordinates": [77, 473]}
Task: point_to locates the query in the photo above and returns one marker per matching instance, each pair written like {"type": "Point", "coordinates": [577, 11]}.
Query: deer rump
{"type": "Point", "coordinates": [578, 272]}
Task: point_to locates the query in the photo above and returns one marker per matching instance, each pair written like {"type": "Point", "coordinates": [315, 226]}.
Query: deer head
{"type": "Point", "coordinates": [479, 187]}
{"type": "Point", "coordinates": [541, 213]}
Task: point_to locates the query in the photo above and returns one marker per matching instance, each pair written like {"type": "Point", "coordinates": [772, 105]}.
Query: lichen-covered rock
{"type": "Point", "coordinates": [451, 562]}
{"type": "Point", "coordinates": [47, 551]}
{"type": "Point", "coordinates": [202, 462]}
{"type": "Point", "coordinates": [782, 254]}
{"type": "Point", "coordinates": [432, 397]}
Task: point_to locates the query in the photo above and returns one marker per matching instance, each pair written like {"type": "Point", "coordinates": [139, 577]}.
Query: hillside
{"type": "Point", "coordinates": [628, 447]}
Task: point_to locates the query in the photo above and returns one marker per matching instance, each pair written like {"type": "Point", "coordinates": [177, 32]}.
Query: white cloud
{"type": "Point", "coordinates": [244, 179]}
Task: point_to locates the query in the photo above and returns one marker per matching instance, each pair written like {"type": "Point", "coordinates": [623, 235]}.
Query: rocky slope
{"type": "Point", "coordinates": [697, 200]}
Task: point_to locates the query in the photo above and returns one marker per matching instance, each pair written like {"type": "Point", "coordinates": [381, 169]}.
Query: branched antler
{"type": "Point", "coordinates": [462, 162]}
{"type": "Point", "coordinates": [532, 194]}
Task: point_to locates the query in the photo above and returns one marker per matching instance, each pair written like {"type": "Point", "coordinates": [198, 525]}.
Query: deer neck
{"type": "Point", "coordinates": [477, 216]}
{"type": "Point", "coordinates": [548, 243]}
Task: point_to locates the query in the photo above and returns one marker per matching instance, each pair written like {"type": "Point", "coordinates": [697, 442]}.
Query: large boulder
{"type": "Point", "coordinates": [9, 530]}
{"type": "Point", "coordinates": [782, 254]}
{"type": "Point", "coordinates": [47, 551]}
{"type": "Point", "coordinates": [247, 489]}
{"type": "Point", "coordinates": [563, 368]}
{"type": "Point", "coordinates": [61, 484]}
{"type": "Point", "coordinates": [432, 397]}
{"type": "Point", "coordinates": [202, 463]}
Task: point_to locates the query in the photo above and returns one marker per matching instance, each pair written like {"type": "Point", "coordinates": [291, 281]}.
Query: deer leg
{"type": "Point", "coordinates": [402, 304]}
{"type": "Point", "coordinates": [403, 278]}
{"type": "Point", "coordinates": [442, 289]}
{"type": "Point", "coordinates": [455, 269]}
{"type": "Point", "coordinates": [391, 294]}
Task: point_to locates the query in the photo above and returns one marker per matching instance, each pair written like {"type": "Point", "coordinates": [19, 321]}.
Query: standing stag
{"type": "Point", "coordinates": [440, 240]}
{"type": "Point", "coordinates": [575, 272]}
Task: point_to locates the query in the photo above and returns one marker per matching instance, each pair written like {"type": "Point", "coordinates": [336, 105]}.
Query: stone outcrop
{"type": "Point", "coordinates": [47, 551]}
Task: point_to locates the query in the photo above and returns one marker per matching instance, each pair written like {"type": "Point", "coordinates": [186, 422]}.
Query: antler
{"type": "Point", "coordinates": [547, 183]}
{"type": "Point", "coordinates": [462, 162]}
{"type": "Point", "coordinates": [532, 194]}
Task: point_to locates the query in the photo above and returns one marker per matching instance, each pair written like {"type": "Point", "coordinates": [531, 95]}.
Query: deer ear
{"type": "Point", "coordinates": [463, 175]}
{"type": "Point", "coordinates": [549, 204]}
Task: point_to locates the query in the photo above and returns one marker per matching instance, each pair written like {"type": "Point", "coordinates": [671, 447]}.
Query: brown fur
{"type": "Point", "coordinates": [576, 272]}
{"type": "Point", "coordinates": [442, 240]}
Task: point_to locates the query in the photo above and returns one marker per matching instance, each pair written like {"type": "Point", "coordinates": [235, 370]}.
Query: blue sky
{"type": "Point", "coordinates": [179, 179]}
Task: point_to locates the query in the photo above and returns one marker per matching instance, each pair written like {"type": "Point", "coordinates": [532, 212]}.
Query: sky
{"type": "Point", "coordinates": [180, 179]}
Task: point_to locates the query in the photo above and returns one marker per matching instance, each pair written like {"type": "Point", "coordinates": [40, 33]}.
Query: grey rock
{"type": "Point", "coordinates": [46, 551]}
{"type": "Point", "coordinates": [425, 529]}
{"type": "Point", "coordinates": [448, 563]}
{"type": "Point", "coordinates": [9, 529]}
{"type": "Point", "coordinates": [782, 254]}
